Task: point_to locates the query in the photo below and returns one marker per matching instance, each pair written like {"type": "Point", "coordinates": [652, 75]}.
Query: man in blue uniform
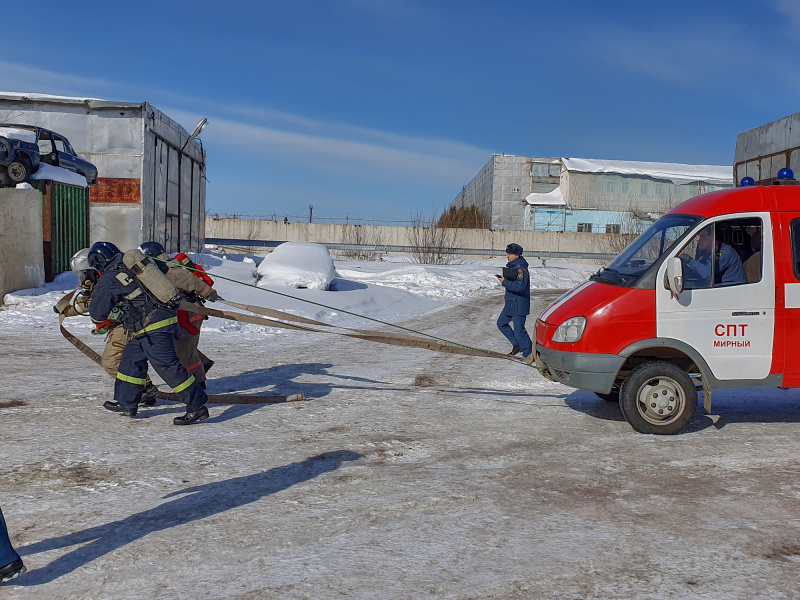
{"type": "Point", "coordinates": [517, 282]}
{"type": "Point", "coordinates": [151, 326]}
{"type": "Point", "coordinates": [728, 268]}
{"type": "Point", "coordinates": [10, 563]}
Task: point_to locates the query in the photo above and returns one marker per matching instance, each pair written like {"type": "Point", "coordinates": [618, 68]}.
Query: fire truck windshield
{"type": "Point", "coordinates": [634, 261]}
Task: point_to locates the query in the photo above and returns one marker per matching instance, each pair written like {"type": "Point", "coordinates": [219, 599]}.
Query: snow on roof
{"type": "Point", "coordinates": [554, 198]}
{"type": "Point", "coordinates": [674, 172]}
{"type": "Point", "coordinates": [26, 135]}
{"type": "Point", "coordinates": [91, 102]}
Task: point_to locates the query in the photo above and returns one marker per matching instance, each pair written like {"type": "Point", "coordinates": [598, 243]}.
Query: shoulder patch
{"type": "Point", "coordinates": [521, 273]}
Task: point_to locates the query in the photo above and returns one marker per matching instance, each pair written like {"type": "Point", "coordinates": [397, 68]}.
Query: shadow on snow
{"type": "Point", "coordinates": [192, 504]}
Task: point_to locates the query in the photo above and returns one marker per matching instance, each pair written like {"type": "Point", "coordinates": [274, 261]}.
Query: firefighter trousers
{"type": "Point", "coordinates": [517, 336]}
{"type": "Point", "coordinates": [157, 347]}
{"type": "Point", "coordinates": [7, 553]}
{"type": "Point", "coordinates": [189, 355]}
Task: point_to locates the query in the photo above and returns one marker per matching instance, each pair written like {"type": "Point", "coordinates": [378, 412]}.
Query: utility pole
{"type": "Point", "coordinates": [310, 212]}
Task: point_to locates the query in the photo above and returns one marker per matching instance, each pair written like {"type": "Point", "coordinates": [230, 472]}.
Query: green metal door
{"type": "Point", "coordinates": [70, 223]}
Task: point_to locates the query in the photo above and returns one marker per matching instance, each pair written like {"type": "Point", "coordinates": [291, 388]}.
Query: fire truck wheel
{"type": "Point", "coordinates": [658, 397]}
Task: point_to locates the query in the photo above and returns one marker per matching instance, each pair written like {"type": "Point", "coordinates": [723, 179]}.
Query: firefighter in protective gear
{"type": "Point", "coordinates": [116, 338]}
{"type": "Point", "coordinates": [151, 326]}
{"type": "Point", "coordinates": [195, 286]}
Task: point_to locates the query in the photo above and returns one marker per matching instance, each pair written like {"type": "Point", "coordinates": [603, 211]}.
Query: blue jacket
{"type": "Point", "coordinates": [139, 312]}
{"type": "Point", "coordinates": [518, 292]}
{"type": "Point", "coordinates": [728, 268]}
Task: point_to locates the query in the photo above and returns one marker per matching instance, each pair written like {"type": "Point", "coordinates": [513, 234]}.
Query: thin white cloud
{"type": "Point", "coordinates": [704, 57]}
{"type": "Point", "coordinates": [790, 8]}
{"type": "Point", "coordinates": [360, 152]}
{"type": "Point", "coordinates": [425, 164]}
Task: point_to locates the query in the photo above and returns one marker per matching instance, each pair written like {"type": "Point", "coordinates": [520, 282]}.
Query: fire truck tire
{"type": "Point", "coordinates": [658, 397]}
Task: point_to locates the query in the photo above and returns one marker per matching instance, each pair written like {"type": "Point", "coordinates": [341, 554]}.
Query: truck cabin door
{"type": "Point", "coordinates": [726, 311]}
{"type": "Point", "coordinates": [790, 275]}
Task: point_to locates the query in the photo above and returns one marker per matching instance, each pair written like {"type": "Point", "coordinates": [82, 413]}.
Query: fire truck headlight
{"type": "Point", "coordinates": [570, 330]}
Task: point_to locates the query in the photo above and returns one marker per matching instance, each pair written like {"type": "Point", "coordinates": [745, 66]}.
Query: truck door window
{"type": "Point", "coordinates": [795, 233]}
{"type": "Point", "coordinates": [713, 257]}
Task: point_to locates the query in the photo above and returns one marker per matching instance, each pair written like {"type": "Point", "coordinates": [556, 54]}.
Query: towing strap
{"type": "Point", "coordinates": [277, 318]}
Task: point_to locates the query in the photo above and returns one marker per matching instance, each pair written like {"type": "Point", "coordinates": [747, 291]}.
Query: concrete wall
{"type": "Point", "coordinates": [398, 236]}
{"type": "Point", "coordinates": [21, 255]}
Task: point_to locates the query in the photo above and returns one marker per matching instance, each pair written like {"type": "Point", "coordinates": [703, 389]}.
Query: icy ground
{"type": "Point", "coordinates": [406, 474]}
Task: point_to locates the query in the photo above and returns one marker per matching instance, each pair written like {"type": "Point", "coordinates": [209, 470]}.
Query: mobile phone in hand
{"type": "Point", "coordinates": [499, 276]}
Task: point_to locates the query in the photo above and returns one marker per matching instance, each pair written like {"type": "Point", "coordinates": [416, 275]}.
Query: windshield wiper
{"type": "Point", "coordinates": [609, 275]}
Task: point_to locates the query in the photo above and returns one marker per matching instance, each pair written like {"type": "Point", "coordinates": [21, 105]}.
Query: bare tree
{"type": "Point", "coordinates": [361, 235]}
{"type": "Point", "coordinates": [432, 245]}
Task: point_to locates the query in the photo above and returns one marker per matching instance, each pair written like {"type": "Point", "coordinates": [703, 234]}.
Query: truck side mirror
{"type": "Point", "coordinates": [675, 275]}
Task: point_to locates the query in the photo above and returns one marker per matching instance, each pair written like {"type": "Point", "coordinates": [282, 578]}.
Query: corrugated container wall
{"type": "Point", "coordinates": [151, 183]}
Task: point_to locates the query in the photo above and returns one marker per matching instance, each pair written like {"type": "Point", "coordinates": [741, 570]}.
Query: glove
{"type": "Point", "coordinates": [212, 295]}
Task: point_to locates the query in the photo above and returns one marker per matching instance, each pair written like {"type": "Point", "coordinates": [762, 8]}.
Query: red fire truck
{"type": "Point", "coordinates": [708, 297]}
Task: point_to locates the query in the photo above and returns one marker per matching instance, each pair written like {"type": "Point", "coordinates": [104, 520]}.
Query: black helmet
{"type": "Point", "coordinates": [101, 253]}
{"type": "Point", "coordinates": [151, 249]}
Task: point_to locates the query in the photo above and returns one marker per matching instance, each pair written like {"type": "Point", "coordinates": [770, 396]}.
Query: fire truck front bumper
{"type": "Point", "coordinates": [585, 371]}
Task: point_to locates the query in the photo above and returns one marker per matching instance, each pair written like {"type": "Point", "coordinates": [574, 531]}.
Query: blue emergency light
{"type": "Point", "coordinates": [785, 173]}
{"type": "Point", "coordinates": [747, 182]}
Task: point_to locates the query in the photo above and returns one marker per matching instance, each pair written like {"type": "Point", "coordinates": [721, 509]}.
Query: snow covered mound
{"type": "Point", "coordinates": [297, 265]}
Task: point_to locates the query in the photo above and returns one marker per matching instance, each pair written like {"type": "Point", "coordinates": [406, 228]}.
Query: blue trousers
{"type": "Point", "coordinates": [157, 347]}
{"type": "Point", "coordinates": [7, 553]}
{"type": "Point", "coordinates": [518, 335]}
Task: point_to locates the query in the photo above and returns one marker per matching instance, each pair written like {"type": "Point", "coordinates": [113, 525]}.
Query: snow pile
{"type": "Point", "coordinates": [298, 265]}
{"type": "Point", "coordinates": [59, 174]}
{"type": "Point", "coordinates": [391, 291]}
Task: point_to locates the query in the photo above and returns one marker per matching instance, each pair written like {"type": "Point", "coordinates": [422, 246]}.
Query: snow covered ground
{"type": "Point", "coordinates": [406, 474]}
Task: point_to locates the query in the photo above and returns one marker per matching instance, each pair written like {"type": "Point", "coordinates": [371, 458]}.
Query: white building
{"type": "Point", "coordinates": [573, 194]}
{"type": "Point", "coordinates": [151, 176]}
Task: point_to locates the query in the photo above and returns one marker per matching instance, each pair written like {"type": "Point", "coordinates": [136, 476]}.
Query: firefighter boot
{"type": "Point", "coordinates": [12, 570]}
{"type": "Point", "coordinates": [192, 417]}
{"type": "Point", "coordinates": [117, 408]}
{"type": "Point", "coordinates": [149, 395]}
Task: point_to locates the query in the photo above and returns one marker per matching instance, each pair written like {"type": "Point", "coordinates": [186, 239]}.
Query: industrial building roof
{"type": "Point", "coordinates": [674, 172]}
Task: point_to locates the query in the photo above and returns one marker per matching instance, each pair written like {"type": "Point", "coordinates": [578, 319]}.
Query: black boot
{"type": "Point", "coordinates": [515, 350]}
{"type": "Point", "coordinates": [191, 417]}
{"type": "Point", "coordinates": [118, 408]}
{"type": "Point", "coordinates": [149, 395]}
{"type": "Point", "coordinates": [12, 570]}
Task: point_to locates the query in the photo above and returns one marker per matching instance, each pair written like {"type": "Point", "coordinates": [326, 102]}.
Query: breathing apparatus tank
{"type": "Point", "coordinates": [150, 276]}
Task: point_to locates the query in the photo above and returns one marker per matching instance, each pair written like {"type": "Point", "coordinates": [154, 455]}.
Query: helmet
{"type": "Point", "coordinates": [80, 261]}
{"type": "Point", "coordinates": [747, 182]}
{"type": "Point", "coordinates": [101, 253]}
{"type": "Point", "coordinates": [151, 249]}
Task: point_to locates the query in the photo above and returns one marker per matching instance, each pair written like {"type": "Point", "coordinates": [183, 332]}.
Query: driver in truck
{"type": "Point", "coordinates": [728, 268]}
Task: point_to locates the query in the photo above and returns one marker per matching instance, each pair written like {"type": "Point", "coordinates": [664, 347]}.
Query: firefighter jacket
{"type": "Point", "coordinates": [140, 312]}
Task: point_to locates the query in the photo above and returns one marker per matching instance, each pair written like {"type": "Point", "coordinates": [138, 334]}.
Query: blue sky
{"type": "Point", "coordinates": [377, 109]}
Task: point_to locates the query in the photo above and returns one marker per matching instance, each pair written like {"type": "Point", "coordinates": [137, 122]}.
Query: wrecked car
{"type": "Point", "coordinates": [51, 148]}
